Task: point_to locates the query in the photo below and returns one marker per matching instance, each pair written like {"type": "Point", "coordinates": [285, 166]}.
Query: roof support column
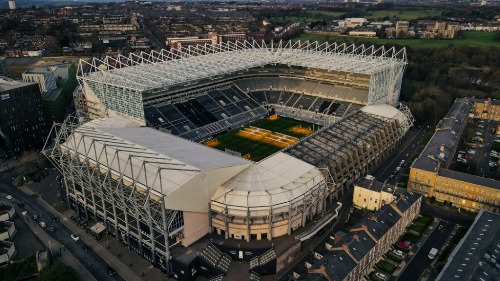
{"type": "Point", "coordinates": [165, 234]}
{"type": "Point", "coordinates": [289, 231]}
{"type": "Point", "coordinates": [151, 230]}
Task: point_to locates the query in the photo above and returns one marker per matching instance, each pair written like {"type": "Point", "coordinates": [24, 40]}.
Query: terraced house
{"type": "Point", "coordinates": [430, 173]}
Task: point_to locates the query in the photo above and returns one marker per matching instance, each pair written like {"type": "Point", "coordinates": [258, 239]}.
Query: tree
{"type": "Point", "coordinates": [58, 272]}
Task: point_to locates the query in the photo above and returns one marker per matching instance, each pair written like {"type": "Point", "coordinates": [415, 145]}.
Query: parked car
{"type": "Point", "coordinates": [20, 204]}
{"type": "Point", "coordinates": [404, 244]}
{"type": "Point", "coordinates": [380, 276]}
{"type": "Point", "coordinates": [35, 217]}
{"type": "Point", "coordinates": [42, 224]}
{"type": "Point", "coordinates": [51, 229]}
{"type": "Point", "coordinates": [471, 151]}
{"type": "Point", "coordinates": [432, 253]}
{"type": "Point", "coordinates": [75, 237]}
{"type": "Point", "coordinates": [9, 197]}
{"type": "Point", "coordinates": [110, 271]}
{"type": "Point", "coordinates": [54, 219]}
{"type": "Point", "coordinates": [398, 253]}
{"type": "Point", "coordinates": [86, 248]}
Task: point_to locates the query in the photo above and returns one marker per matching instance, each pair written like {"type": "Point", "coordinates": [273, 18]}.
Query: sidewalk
{"type": "Point", "coordinates": [54, 245]}
{"type": "Point", "coordinates": [122, 269]}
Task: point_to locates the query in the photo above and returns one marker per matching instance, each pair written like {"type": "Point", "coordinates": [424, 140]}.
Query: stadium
{"type": "Point", "coordinates": [248, 144]}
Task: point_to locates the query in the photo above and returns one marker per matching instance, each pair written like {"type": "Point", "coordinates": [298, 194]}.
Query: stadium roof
{"type": "Point", "coordinates": [154, 70]}
{"type": "Point", "coordinates": [152, 161]}
{"type": "Point", "coordinates": [276, 180]}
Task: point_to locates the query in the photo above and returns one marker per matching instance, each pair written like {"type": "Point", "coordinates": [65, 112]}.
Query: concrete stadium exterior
{"type": "Point", "coordinates": [152, 189]}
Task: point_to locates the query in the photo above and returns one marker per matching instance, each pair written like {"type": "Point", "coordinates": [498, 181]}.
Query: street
{"type": "Point", "coordinates": [90, 260]}
{"type": "Point", "coordinates": [420, 262]}
{"type": "Point", "coordinates": [406, 151]}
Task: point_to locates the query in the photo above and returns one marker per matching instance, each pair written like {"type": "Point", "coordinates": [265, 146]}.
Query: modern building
{"type": "Point", "coordinates": [476, 255]}
{"type": "Point", "coordinates": [430, 173]}
{"type": "Point", "coordinates": [57, 82]}
{"type": "Point", "coordinates": [7, 230]}
{"type": "Point", "coordinates": [7, 252]}
{"type": "Point", "coordinates": [4, 70]}
{"type": "Point", "coordinates": [7, 212]}
{"type": "Point", "coordinates": [372, 195]}
{"type": "Point", "coordinates": [138, 167]}
{"type": "Point", "coordinates": [22, 123]}
{"type": "Point", "coordinates": [351, 256]}
{"type": "Point", "coordinates": [43, 77]}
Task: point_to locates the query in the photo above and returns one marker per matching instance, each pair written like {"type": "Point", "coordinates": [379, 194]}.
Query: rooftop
{"type": "Point", "coordinates": [166, 165]}
{"type": "Point", "coordinates": [442, 144]}
{"type": "Point", "coordinates": [7, 84]}
{"type": "Point", "coordinates": [374, 185]}
{"type": "Point", "coordinates": [469, 178]}
{"type": "Point", "coordinates": [351, 247]}
{"type": "Point", "coordinates": [476, 256]}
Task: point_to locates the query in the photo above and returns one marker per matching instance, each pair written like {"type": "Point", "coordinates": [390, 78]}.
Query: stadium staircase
{"type": "Point", "coordinates": [217, 278]}
{"type": "Point", "coordinates": [215, 258]}
{"type": "Point", "coordinates": [254, 276]}
{"type": "Point", "coordinates": [263, 259]}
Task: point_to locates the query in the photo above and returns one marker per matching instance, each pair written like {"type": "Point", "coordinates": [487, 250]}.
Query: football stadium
{"type": "Point", "coordinates": [229, 152]}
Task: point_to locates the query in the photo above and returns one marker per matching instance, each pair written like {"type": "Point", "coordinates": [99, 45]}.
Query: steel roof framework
{"type": "Point", "coordinates": [147, 71]}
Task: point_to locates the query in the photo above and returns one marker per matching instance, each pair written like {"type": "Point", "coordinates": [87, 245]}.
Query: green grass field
{"type": "Point", "coordinates": [470, 38]}
{"type": "Point", "coordinates": [326, 13]}
{"type": "Point", "coordinates": [259, 150]}
{"type": "Point", "coordinates": [403, 15]}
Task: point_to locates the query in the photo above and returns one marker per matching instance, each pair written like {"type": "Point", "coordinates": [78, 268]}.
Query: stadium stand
{"type": "Point", "coordinates": [206, 114]}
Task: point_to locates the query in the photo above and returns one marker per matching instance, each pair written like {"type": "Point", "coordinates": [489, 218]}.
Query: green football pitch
{"type": "Point", "coordinates": [256, 150]}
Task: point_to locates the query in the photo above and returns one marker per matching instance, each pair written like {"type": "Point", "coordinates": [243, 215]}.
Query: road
{"type": "Point", "coordinates": [446, 215]}
{"type": "Point", "coordinates": [420, 261]}
{"type": "Point", "coordinates": [90, 260]}
{"type": "Point", "coordinates": [152, 38]}
{"type": "Point", "coordinates": [405, 151]}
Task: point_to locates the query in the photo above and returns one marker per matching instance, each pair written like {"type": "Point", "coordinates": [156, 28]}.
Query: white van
{"type": "Point", "coordinates": [432, 253]}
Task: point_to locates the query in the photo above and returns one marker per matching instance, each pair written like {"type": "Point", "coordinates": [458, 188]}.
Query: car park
{"type": "Point", "coordinates": [75, 237]}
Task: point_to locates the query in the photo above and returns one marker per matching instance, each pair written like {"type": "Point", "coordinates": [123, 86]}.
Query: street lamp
{"type": "Point", "coordinates": [50, 248]}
